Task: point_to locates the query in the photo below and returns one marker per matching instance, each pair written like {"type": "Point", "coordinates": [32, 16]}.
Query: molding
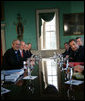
{"type": "Point", "coordinates": [46, 10]}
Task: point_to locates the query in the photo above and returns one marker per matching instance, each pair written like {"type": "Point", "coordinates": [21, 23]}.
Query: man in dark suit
{"type": "Point", "coordinates": [67, 50]}
{"type": "Point", "coordinates": [22, 51]}
{"type": "Point", "coordinates": [77, 53]}
{"type": "Point", "coordinates": [12, 58]}
{"type": "Point", "coordinates": [28, 52]}
{"type": "Point", "coordinates": [79, 41]}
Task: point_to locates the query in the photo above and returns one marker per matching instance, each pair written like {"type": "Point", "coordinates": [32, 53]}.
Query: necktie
{"type": "Point", "coordinates": [22, 54]}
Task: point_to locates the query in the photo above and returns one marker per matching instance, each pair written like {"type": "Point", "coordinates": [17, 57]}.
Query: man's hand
{"type": "Point", "coordinates": [67, 56]}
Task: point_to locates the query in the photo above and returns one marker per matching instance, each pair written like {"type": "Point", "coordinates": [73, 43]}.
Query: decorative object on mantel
{"type": "Point", "coordinates": [19, 27]}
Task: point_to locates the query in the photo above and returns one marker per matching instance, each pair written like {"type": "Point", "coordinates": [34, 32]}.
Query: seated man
{"type": "Point", "coordinates": [67, 50]}
{"type": "Point", "coordinates": [12, 58]}
{"type": "Point", "coordinates": [79, 41]}
{"type": "Point", "coordinates": [77, 53]}
{"type": "Point", "coordinates": [28, 52]}
{"type": "Point", "coordinates": [22, 51]}
{"type": "Point", "coordinates": [26, 47]}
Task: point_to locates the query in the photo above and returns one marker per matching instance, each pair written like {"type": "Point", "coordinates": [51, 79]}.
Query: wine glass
{"type": "Point", "coordinates": [70, 89]}
{"type": "Point", "coordinates": [30, 65]}
{"type": "Point", "coordinates": [2, 78]}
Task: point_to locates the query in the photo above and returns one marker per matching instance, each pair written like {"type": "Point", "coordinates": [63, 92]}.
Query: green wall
{"type": "Point", "coordinates": [27, 9]}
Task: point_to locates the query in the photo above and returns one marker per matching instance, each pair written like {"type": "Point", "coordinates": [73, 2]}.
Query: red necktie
{"type": "Point", "coordinates": [22, 54]}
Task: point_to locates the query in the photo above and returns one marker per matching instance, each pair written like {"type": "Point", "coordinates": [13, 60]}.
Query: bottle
{"type": "Point", "coordinates": [29, 71]}
{"type": "Point", "coordinates": [24, 65]}
{"type": "Point", "coordinates": [67, 64]}
{"type": "Point", "coordinates": [25, 68]}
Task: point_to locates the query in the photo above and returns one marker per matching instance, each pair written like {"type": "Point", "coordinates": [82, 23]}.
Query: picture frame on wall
{"type": "Point", "coordinates": [73, 24]}
{"type": "Point", "coordinates": [2, 11]}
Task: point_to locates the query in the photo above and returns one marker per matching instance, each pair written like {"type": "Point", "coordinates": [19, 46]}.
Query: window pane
{"type": "Point", "coordinates": [55, 83]}
{"type": "Point", "coordinates": [52, 28]}
{"type": "Point", "coordinates": [49, 82]}
{"type": "Point", "coordinates": [49, 72]}
{"type": "Point", "coordinates": [50, 78]}
{"type": "Point", "coordinates": [50, 35]}
{"type": "Point", "coordinates": [54, 78]}
{"type": "Point", "coordinates": [47, 28]}
{"type": "Point", "coordinates": [53, 72]}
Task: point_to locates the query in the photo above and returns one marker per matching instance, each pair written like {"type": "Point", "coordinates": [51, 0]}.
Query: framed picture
{"type": "Point", "coordinates": [2, 11]}
{"type": "Point", "coordinates": [73, 24]}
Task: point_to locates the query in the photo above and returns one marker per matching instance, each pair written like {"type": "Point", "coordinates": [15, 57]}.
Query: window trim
{"type": "Point", "coordinates": [57, 27]}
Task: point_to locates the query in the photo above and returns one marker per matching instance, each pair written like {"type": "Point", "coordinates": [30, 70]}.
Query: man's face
{"type": "Point", "coordinates": [66, 46]}
{"type": "Point", "coordinates": [73, 45]}
{"type": "Point", "coordinates": [22, 45]}
{"type": "Point", "coordinates": [29, 46]}
{"type": "Point", "coordinates": [16, 45]}
{"type": "Point", "coordinates": [26, 47]}
{"type": "Point", "coordinates": [79, 42]}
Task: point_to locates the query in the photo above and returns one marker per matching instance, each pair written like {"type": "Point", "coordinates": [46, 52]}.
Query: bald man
{"type": "Point", "coordinates": [12, 58]}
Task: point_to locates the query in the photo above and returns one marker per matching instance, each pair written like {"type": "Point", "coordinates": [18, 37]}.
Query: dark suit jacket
{"type": "Point", "coordinates": [10, 60]}
{"type": "Point", "coordinates": [28, 53]}
{"type": "Point", "coordinates": [24, 58]}
{"type": "Point", "coordinates": [77, 56]}
{"type": "Point", "coordinates": [67, 52]}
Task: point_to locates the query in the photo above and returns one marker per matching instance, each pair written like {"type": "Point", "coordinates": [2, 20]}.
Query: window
{"type": "Point", "coordinates": [48, 34]}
